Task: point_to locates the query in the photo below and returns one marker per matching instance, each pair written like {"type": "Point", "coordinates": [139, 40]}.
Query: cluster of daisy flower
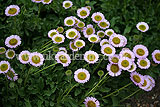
{"type": "Point", "coordinates": [42, 1]}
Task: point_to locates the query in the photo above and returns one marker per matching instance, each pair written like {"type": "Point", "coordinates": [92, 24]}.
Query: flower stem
{"type": "Point", "coordinates": [97, 65]}
{"type": "Point", "coordinates": [91, 46]}
{"type": "Point", "coordinates": [46, 44]}
{"type": "Point", "coordinates": [117, 90]}
{"type": "Point", "coordinates": [45, 68]}
{"type": "Point", "coordinates": [47, 49]}
{"type": "Point", "coordinates": [130, 95]}
{"type": "Point", "coordinates": [25, 81]}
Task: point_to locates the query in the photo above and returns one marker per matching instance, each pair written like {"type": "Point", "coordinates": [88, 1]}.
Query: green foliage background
{"type": "Point", "coordinates": [46, 88]}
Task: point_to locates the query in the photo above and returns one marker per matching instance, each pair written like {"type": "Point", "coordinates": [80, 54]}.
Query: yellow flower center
{"type": "Point", "coordinates": [142, 27]}
{"type": "Point", "coordinates": [69, 22]}
{"type": "Point", "coordinates": [73, 47]}
{"type": "Point", "coordinates": [10, 54]}
{"type": "Point", "coordinates": [67, 4]}
{"type": "Point", "coordinates": [91, 57]}
{"type": "Point", "coordinates": [52, 34]}
{"type": "Point", "coordinates": [145, 83]}
{"type": "Point", "coordinates": [132, 67]}
{"type": "Point", "coordinates": [12, 11]}
{"type": "Point", "coordinates": [72, 34]}
{"type": "Point", "coordinates": [98, 18]}
{"type": "Point", "coordinates": [89, 31]}
{"type": "Point", "coordinates": [109, 33]}
{"type": "Point", "coordinates": [63, 59]}
{"type": "Point", "coordinates": [143, 63]}
{"type": "Point", "coordinates": [136, 78]}
{"type": "Point", "coordinates": [116, 40]}
{"type": "Point", "coordinates": [3, 67]}
{"type": "Point", "coordinates": [108, 50]}
{"type": "Point", "coordinates": [101, 34]}
{"type": "Point", "coordinates": [80, 24]}
{"type": "Point", "coordinates": [103, 24]}
{"type": "Point", "coordinates": [115, 60]}
{"type": "Point", "coordinates": [46, 1]}
{"type": "Point", "coordinates": [58, 39]}
{"type": "Point", "coordinates": [105, 43]}
{"type": "Point", "coordinates": [114, 68]}
{"type": "Point", "coordinates": [79, 44]}
{"type": "Point", "coordinates": [36, 59]}
{"type": "Point", "coordinates": [140, 52]}
{"type": "Point", "coordinates": [125, 63]}
{"type": "Point", "coordinates": [157, 56]}
{"type": "Point", "coordinates": [82, 76]}
{"type": "Point", "coordinates": [13, 41]}
{"type": "Point", "coordinates": [10, 74]}
{"type": "Point", "coordinates": [60, 29]}
{"type": "Point", "coordinates": [127, 55]}
{"type": "Point", "coordinates": [93, 39]}
{"type": "Point", "coordinates": [83, 13]}
{"type": "Point", "coordinates": [25, 57]}
{"type": "Point", "coordinates": [2, 50]}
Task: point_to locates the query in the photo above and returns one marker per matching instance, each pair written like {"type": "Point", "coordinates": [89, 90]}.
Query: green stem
{"type": "Point", "coordinates": [130, 95]}
{"type": "Point", "coordinates": [25, 81]}
{"type": "Point", "coordinates": [47, 49]}
{"type": "Point", "coordinates": [91, 46]}
{"type": "Point", "coordinates": [97, 65]}
{"type": "Point", "coordinates": [46, 44]}
{"type": "Point", "coordinates": [85, 65]}
{"type": "Point", "coordinates": [45, 68]}
{"type": "Point", "coordinates": [104, 81]}
{"type": "Point", "coordinates": [117, 90]}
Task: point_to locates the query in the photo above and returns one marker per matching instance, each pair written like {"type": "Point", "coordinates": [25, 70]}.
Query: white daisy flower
{"type": "Point", "coordinates": [108, 50]}
{"type": "Point", "coordinates": [93, 38]}
{"type": "Point", "coordinates": [10, 54]}
{"type": "Point", "coordinates": [76, 19]}
{"type": "Point", "coordinates": [79, 43]}
{"type": "Point", "coordinates": [80, 24]}
{"type": "Point", "coordinates": [114, 70]}
{"type": "Point", "coordinates": [13, 41]}
{"type": "Point", "coordinates": [12, 10]}
{"type": "Point", "coordinates": [91, 57]}
{"type": "Point", "coordinates": [104, 24]}
{"type": "Point", "coordinates": [152, 82]}
{"type": "Point", "coordinates": [37, 1]}
{"type": "Point", "coordinates": [133, 67]}
{"type": "Point", "coordinates": [89, 30]}
{"type": "Point", "coordinates": [24, 57]}
{"type": "Point", "coordinates": [145, 84]}
{"type": "Point", "coordinates": [101, 33]}
{"type": "Point", "coordinates": [109, 32]}
{"type": "Point", "coordinates": [156, 56]}
{"type": "Point", "coordinates": [97, 17]}
{"type": "Point", "coordinates": [63, 49]}
{"type": "Point", "coordinates": [127, 53]}
{"type": "Point", "coordinates": [71, 33]}
{"type": "Point", "coordinates": [142, 26]}
{"type": "Point", "coordinates": [67, 4]}
{"type": "Point", "coordinates": [69, 21]}
{"type": "Point", "coordinates": [58, 38]}
{"type": "Point", "coordinates": [140, 51]}
{"type": "Point", "coordinates": [114, 59]}
{"type": "Point", "coordinates": [136, 78]}
{"type": "Point", "coordinates": [60, 29]}
{"type": "Point", "coordinates": [73, 47]}
{"type": "Point", "coordinates": [91, 102]}
{"type": "Point", "coordinates": [116, 40]}
{"type": "Point", "coordinates": [51, 33]}
{"type": "Point", "coordinates": [124, 40]}
{"type": "Point", "coordinates": [11, 75]}
{"type": "Point", "coordinates": [46, 1]}
{"type": "Point", "coordinates": [83, 12]}
{"type": "Point", "coordinates": [2, 50]}
{"type": "Point", "coordinates": [103, 42]}
{"type": "Point", "coordinates": [63, 58]}
{"type": "Point", "coordinates": [143, 63]}
{"type": "Point", "coordinates": [125, 63]}
{"type": "Point", "coordinates": [4, 67]}
{"type": "Point", "coordinates": [36, 59]}
{"type": "Point", "coordinates": [81, 75]}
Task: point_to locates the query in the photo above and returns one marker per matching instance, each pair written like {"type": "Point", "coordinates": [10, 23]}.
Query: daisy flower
{"type": "Point", "coordinates": [114, 59]}
{"type": "Point", "coordinates": [89, 8]}
{"type": "Point", "coordinates": [69, 21]}
{"type": "Point", "coordinates": [91, 102]}
{"type": "Point", "coordinates": [109, 32]}
{"type": "Point", "coordinates": [76, 19]}
{"type": "Point", "coordinates": [81, 75]}
{"type": "Point", "coordinates": [133, 67]}
{"type": "Point", "coordinates": [46, 1]}
{"type": "Point", "coordinates": [10, 53]}
{"type": "Point", "coordinates": [63, 58]}
{"type": "Point", "coordinates": [136, 78]}
{"type": "Point", "coordinates": [63, 49]}
{"type": "Point", "coordinates": [140, 51]}
{"type": "Point", "coordinates": [97, 17]}
{"type": "Point", "coordinates": [104, 24]}
{"type": "Point", "coordinates": [145, 84]}
{"type": "Point", "coordinates": [58, 38]}
{"type": "Point", "coordinates": [91, 57]}
{"type": "Point", "coordinates": [51, 33]}
{"type": "Point", "coordinates": [13, 41]}
{"type": "Point", "coordinates": [156, 56]}
{"type": "Point", "coordinates": [2, 50]}
{"type": "Point", "coordinates": [12, 10]}
{"type": "Point", "coordinates": [73, 47]}
{"type": "Point", "coordinates": [103, 42]}
{"type": "Point", "coordinates": [89, 30]}
{"type": "Point", "coordinates": [11, 75]}
{"type": "Point", "coordinates": [79, 43]}
{"type": "Point", "coordinates": [151, 80]}
{"type": "Point", "coordinates": [93, 38]}
{"type": "Point", "coordinates": [37, 1]}
{"type": "Point", "coordinates": [71, 33]}
{"type": "Point", "coordinates": [60, 29]}
{"type": "Point", "coordinates": [67, 4]}
{"type": "Point", "coordinates": [142, 26]}
{"type": "Point", "coordinates": [80, 24]}
{"type": "Point", "coordinates": [116, 40]}
{"type": "Point", "coordinates": [108, 50]}
{"type": "Point", "coordinates": [4, 67]}
{"type": "Point", "coordinates": [83, 12]}
{"type": "Point", "coordinates": [36, 59]}
{"type": "Point", "coordinates": [124, 40]}
{"type": "Point", "coordinates": [114, 70]}
{"type": "Point", "coordinates": [125, 63]}
{"type": "Point", "coordinates": [143, 63]}
{"type": "Point", "coordinates": [127, 53]}
{"type": "Point", "coordinates": [101, 33]}
{"type": "Point", "coordinates": [24, 57]}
